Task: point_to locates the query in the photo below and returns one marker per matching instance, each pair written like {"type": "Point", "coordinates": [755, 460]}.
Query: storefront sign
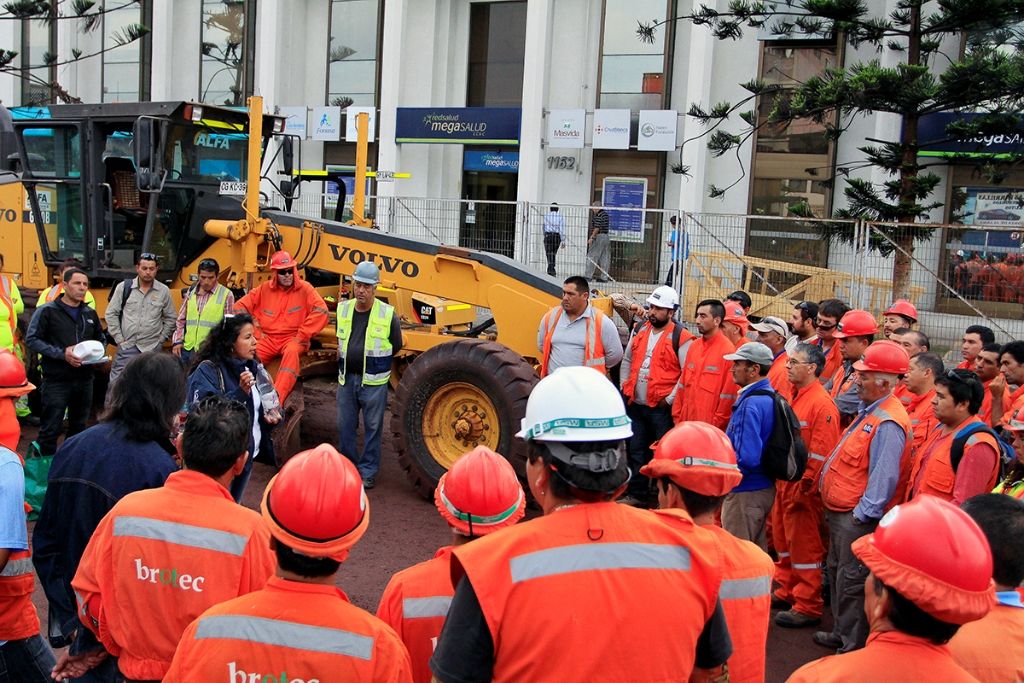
{"type": "Point", "coordinates": [627, 193]}
{"type": "Point", "coordinates": [992, 207]}
{"type": "Point", "coordinates": [935, 141]}
{"type": "Point", "coordinates": [351, 135]}
{"type": "Point", "coordinates": [611, 129]}
{"type": "Point", "coordinates": [565, 128]}
{"type": "Point", "coordinates": [494, 162]}
{"type": "Point", "coordinates": [464, 126]}
{"type": "Point", "coordinates": [327, 123]}
{"type": "Point", "coordinates": [294, 121]}
{"type": "Point", "coordinates": [657, 131]}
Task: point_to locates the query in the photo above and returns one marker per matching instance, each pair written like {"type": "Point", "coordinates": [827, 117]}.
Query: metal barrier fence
{"type": "Point", "coordinates": [956, 275]}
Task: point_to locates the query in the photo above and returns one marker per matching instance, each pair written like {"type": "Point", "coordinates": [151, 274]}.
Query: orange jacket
{"type": "Point", "coordinates": [10, 428]}
{"type": "Point", "coordinates": [593, 349]}
{"type": "Point", "coordinates": [298, 311]}
{"type": "Point", "coordinates": [572, 582]}
{"type": "Point", "coordinates": [160, 558]}
{"type": "Point", "coordinates": [833, 361]}
{"type": "Point", "coordinates": [933, 473]}
{"type": "Point", "coordinates": [888, 656]}
{"type": "Point", "coordinates": [706, 390]}
{"type": "Point", "coordinates": [289, 631]}
{"type": "Point", "coordinates": [847, 475]}
{"type": "Point", "coordinates": [992, 648]}
{"type": "Point", "coordinates": [18, 618]}
{"type": "Point", "coordinates": [841, 381]}
{"type": "Point", "coordinates": [819, 426]}
{"type": "Point", "coordinates": [664, 369]}
{"type": "Point", "coordinates": [415, 604]}
{"type": "Point", "coordinates": [778, 376]}
{"type": "Point", "coordinates": [922, 418]}
{"type": "Point", "coordinates": [746, 601]}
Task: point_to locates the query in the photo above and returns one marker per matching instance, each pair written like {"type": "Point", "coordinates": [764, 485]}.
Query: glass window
{"type": "Point", "coordinates": [200, 155]}
{"type": "Point", "coordinates": [352, 53]}
{"type": "Point", "coordinates": [788, 66]}
{"type": "Point", "coordinates": [497, 48]}
{"type": "Point", "coordinates": [54, 155]}
{"type": "Point", "coordinates": [227, 52]}
{"type": "Point", "coordinates": [632, 72]}
{"type": "Point", "coordinates": [122, 64]}
{"type": "Point", "coordinates": [39, 43]}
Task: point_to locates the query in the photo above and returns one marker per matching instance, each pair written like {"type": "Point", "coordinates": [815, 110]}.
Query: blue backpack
{"type": "Point", "coordinates": [956, 450]}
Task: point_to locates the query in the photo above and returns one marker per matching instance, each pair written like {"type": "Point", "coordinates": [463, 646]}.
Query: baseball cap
{"type": "Point", "coordinates": [772, 324]}
{"type": "Point", "coordinates": [754, 352]}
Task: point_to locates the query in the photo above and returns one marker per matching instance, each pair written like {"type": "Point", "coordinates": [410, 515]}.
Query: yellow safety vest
{"type": "Point", "coordinates": [52, 293]}
{"type": "Point", "coordinates": [377, 349]}
{"type": "Point", "coordinates": [10, 306]}
{"type": "Point", "coordinates": [198, 324]}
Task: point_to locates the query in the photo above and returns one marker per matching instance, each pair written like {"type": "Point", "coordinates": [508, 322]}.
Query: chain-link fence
{"type": "Point", "coordinates": [955, 275]}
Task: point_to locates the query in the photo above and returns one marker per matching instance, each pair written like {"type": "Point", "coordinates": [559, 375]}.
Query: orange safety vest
{"type": "Point", "coordinates": [593, 347]}
{"type": "Point", "coordinates": [415, 604]}
{"type": "Point", "coordinates": [888, 656]}
{"type": "Point", "coordinates": [664, 369]}
{"type": "Point", "coordinates": [992, 648]}
{"type": "Point", "coordinates": [778, 376]}
{"type": "Point", "coordinates": [841, 381]}
{"type": "Point", "coordinates": [922, 417]}
{"type": "Point", "coordinates": [627, 592]}
{"type": "Point", "coordinates": [747, 603]}
{"type": "Point", "coordinates": [289, 631]}
{"type": "Point", "coordinates": [18, 618]}
{"type": "Point", "coordinates": [819, 426]}
{"type": "Point", "coordinates": [159, 559]}
{"type": "Point", "coordinates": [847, 475]}
{"type": "Point", "coordinates": [706, 390]}
{"type": "Point", "coordinates": [933, 468]}
{"type": "Point", "coordinates": [833, 361]}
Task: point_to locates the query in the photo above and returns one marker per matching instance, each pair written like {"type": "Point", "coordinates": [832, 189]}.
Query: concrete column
{"type": "Point", "coordinates": [698, 90]}
{"type": "Point", "coordinates": [539, 15]}
{"type": "Point", "coordinates": [389, 155]}
{"type": "Point", "coordinates": [162, 39]}
{"type": "Point", "coordinates": [273, 24]}
{"type": "Point", "coordinates": [10, 84]}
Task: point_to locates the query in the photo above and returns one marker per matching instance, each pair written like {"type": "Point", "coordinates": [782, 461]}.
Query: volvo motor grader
{"type": "Point", "coordinates": [104, 183]}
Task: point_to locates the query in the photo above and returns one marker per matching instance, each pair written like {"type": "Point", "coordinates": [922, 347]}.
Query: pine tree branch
{"type": "Point", "coordinates": [137, 30]}
{"type": "Point", "coordinates": [49, 11]}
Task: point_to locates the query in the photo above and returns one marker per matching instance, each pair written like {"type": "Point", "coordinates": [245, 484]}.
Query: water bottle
{"type": "Point", "coordinates": [268, 395]}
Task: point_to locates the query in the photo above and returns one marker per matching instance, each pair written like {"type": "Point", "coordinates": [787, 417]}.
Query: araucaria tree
{"type": "Point", "coordinates": [928, 57]}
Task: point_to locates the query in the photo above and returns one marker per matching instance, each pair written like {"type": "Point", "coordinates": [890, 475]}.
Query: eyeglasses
{"type": "Point", "coordinates": [208, 264]}
{"type": "Point", "coordinates": [967, 377]}
{"type": "Point", "coordinates": [147, 256]}
{"type": "Point", "coordinates": [290, 271]}
{"type": "Point", "coordinates": [821, 326]}
{"type": "Point", "coordinates": [790, 362]}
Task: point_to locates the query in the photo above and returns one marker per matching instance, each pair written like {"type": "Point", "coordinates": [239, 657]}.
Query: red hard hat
{"type": "Point", "coordinates": [932, 553]}
{"type": "Point", "coordinates": [904, 308]}
{"type": "Point", "coordinates": [734, 314]}
{"type": "Point", "coordinates": [884, 356]}
{"type": "Point", "coordinates": [281, 260]}
{"type": "Point", "coordinates": [856, 323]}
{"type": "Point", "coordinates": [13, 381]}
{"type": "Point", "coordinates": [480, 493]}
{"type": "Point", "coordinates": [316, 504]}
{"type": "Point", "coordinates": [697, 456]}
{"type": "Point", "coordinates": [1014, 422]}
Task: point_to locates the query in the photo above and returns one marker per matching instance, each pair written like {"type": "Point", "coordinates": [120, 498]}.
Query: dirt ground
{"type": "Point", "coordinates": [405, 529]}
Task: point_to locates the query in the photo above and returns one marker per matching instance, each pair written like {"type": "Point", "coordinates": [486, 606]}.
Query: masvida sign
{"type": "Point", "coordinates": [387, 264]}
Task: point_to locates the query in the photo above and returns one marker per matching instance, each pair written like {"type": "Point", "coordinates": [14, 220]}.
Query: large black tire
{"type": "Point", "coordinates": [441, 408]}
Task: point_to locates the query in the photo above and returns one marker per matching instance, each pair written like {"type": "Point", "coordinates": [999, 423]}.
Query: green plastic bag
{"type": "Point", "coordinates": [37, 471]}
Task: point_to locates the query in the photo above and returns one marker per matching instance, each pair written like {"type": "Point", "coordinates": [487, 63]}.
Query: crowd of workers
{"type": "Point", "coordinates": [665, 539]}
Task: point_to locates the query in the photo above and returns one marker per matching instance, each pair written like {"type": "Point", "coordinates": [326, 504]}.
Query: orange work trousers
{"type": "Point", "coordinates": [797, 526]}
{"type": "Point", "coordinates": [289, 349]}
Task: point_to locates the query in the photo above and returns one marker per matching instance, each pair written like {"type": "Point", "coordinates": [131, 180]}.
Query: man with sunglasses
{"type": "Point", "coordinates": [142, 319]}
{"type": "Point", "coordinates": [203, 308]}
{"type": "Point", "coordinates": [288, 311]}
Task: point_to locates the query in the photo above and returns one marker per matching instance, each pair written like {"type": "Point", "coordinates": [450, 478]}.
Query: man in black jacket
{"type": "Point", "coordinates": [55, 329]}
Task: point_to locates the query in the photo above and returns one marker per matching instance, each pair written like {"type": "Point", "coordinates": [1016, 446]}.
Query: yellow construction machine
{"type": "Point", "coordinates": [104, 183]}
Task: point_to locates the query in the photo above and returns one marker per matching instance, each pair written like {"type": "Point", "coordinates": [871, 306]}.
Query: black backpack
{"type": "Point", "coordinates": [1007, 455]}
{"type": "Point", "coordinates": [785, 455]}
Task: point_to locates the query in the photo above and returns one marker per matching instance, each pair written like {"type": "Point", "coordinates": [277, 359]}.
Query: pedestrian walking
{"type": "Point", "coordinates": [746, 508]}
{"type": "Point", "coordinates": [694, 466]}
{"type": "Point", "coordinates": [169, 553]}
{"type": "Point", "coordinates": [140, 316]}
{"type": "Point", "coordinates": [67, 336]}
{"type": "Point", "coordinates": [599, 250]}
{"type": "Point", "coordinates": [929, 570]}
{"type": "Point", "coordinates": [554, 235]}
{"type": "Point", "coordinates": [202, 309]}
{"type": "Point", "coordinates": [706, 389]}
{"type": "Point", "coordinates": [479, 495]}
{"type": "Point", "coordinates": [864, 476]}
{"type": "Point", "coordinates": [369, 335]}
{"type": "Point", "coordinates": [678, 243]}
{"type": "Point", "coordinates": [576, 333]}
{"type": "Point", "coordinates": [288, 312]}
{"type": "Point", "coordinates": [300, 626]}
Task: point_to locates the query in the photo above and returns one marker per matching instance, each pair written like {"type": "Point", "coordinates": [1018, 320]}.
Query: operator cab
{"type": "Point", "coordinates": [108, 182]}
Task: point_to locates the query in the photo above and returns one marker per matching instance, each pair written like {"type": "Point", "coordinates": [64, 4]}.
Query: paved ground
{"type": "Point", "coordinates": [405, 529]}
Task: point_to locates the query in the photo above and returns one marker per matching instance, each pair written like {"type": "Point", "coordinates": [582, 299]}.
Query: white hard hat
{"type": "Point", "coordinates": [575, 404]}
{"type": "Point", "coordinates": [89, 351]}
{"type": "Point", "coordinates": [664, 297]}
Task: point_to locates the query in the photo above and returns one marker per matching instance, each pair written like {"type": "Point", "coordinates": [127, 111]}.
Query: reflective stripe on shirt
{"type": "Point", "coordinates": [582, 558]}
{"type": "Point", "coordinates": [286, 634]}
{"type": "Point", "coordinates": [181, 534]}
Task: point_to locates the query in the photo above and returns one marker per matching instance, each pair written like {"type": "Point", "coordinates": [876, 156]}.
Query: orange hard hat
{"type": "Point", "coordinates": [13, 381]}
{"type": "Point", "coordinates": [697, 456]}
{"type": "Point", "coordinates": [1015, 422]}
{"type": "Point", "coordinates": [281, 260]}
{"type": "Point", "coordinates": [856, 323]}
{"type": "Point", "coordinates": [734, 314]}
{"type": "Point", "coordinates": [316, 504]}
{"type": "Point", "coordinates": [932, 553]}
{"type": "Point", "coordinates": [884, 356]}
{"type": "Point", "coordinates": [480, 493]}
{"type": "Point", "coordinates": [904, 308]}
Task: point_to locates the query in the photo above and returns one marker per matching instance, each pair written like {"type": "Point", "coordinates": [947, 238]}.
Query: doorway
{"type": "Point", "coordinates": [487, 225]}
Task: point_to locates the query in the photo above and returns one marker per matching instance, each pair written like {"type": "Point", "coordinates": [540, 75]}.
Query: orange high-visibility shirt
{"type": "Point", "coordinates": [992, 648]}
{"type": "Point", "coordinates": [415, 604]}
{"type": "Point", "coordinates": [833, 361]}
{"type": "Point", "coordinates": [298, 311]}
{"type": "Point", "coordinates": [778, 376]}
{"type": "Point", "coordinates": [706, 391]}
{"type": "Point", "coordinates": [888, 656]}
{"type": "Point", "coordinates": [289, 631]}
{"type": "Point", "coordinates": [922, 419]}
{"type": "Point", "coordinates": [819, 426]}
{"type": "Point", "coordinates": [159, 559]}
